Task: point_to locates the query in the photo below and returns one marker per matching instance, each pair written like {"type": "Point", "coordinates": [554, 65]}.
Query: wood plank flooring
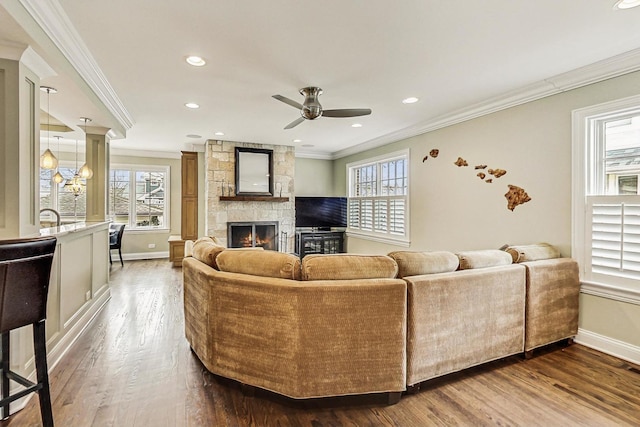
{"type": "Point", "coordinates": [133, 367]}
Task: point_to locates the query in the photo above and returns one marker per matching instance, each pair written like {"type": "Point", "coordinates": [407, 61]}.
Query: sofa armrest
{"type": "Point", "coordinates": [553, 294]}
{"type": "Point", "coordinates": [461, 319]}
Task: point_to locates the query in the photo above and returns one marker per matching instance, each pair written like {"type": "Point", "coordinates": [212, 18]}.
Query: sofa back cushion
{"type": "Point", "coordinates": [483, 258]}
{"type": "Point", "coordinates": [411, 263]}
{"type": "Point", "coordinates": [348, 266]}
{"type": "Point", "coordinates": [206, 250]}
{"type": "Point", "coordinates": [535, 252]}
{"type": "Point", "coordinates": [260, 263]}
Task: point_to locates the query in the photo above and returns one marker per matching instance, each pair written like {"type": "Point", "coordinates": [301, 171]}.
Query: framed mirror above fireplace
{"type": "Point", "coordinates": [254, 172]}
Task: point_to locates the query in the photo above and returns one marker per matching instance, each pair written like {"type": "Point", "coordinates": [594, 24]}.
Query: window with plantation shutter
{"type": "Point", "coordinates": [606, 202]}
{"type": "Point", "coordinates": [378, 198]}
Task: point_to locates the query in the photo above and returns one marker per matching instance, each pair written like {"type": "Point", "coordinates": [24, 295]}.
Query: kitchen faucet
{"type": "Point", "coordinates": [55, 212]}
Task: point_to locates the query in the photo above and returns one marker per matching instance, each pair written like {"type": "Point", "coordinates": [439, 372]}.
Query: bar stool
{"type": "Point", "coordinates": [25, 267]}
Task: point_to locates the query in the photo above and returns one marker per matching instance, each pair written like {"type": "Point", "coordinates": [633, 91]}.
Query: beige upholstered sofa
{"type": "Point", "coordinates": [329, 326]}
{"type": "Point", "coordinates": [553, 291]}
{"type": "Point", "coordinates": [345, 324]}
{"type": "Point", "coordinates": [463, 310]}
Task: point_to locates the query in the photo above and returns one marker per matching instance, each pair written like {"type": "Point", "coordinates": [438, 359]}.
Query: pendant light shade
{"type": "Point", "coordinates": [85, 171]}
{"type": "Point", "coordinates": [58, 178]}
{"type": "Point", "coordinates": [48, 160]}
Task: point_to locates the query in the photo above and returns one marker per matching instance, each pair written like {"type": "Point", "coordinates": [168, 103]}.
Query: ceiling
{"type": "Point", "coordinates": [122, 63]}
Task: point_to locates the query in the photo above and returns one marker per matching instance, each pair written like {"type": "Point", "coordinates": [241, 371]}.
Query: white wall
{"type": "Point", "coordinates": [452, 209]}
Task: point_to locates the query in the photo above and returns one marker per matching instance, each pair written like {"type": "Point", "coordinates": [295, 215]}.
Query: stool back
{"type": "Point", "coordinates": [25, 267]}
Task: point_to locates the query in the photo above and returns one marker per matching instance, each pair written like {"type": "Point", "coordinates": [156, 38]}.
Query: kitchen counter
{"type": "Point", "coordinates": [78, 289]}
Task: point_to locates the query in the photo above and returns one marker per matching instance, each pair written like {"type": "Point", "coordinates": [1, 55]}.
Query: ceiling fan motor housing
{"type": "Point", "coordinates": [311, 107]}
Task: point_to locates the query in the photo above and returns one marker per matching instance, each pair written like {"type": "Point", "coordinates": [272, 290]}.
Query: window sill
{"type": "Point", "coordinates": [617, 293]}
{"type": "Point", "coordinates": [397, 241]}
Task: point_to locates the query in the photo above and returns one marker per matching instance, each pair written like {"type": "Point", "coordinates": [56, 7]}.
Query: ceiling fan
{"type": "Point", "coordinates": [311, 109]}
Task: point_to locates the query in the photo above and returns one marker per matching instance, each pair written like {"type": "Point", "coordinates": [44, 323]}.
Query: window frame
{"type": "Point", "coordinates": [133, 170]}
{"type": "Point", "coordinates": [588, 183]}
{"type": "Point", "coordinates": [56, 189]}
{"type": "Point", "coordinates": [379, 236]}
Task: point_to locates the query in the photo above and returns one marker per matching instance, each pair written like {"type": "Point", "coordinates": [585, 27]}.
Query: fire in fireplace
{"type": "Point", "coordinates": [262, 234]}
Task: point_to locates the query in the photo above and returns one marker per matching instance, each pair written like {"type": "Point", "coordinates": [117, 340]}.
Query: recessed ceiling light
{"type": "Point", "coordinates": [196, 61]}
{"type": "Point", "coordinates": [410, 100]}
{"type": "Point", "coordinates": [193, 135]}
{"type": "Point", "coordinates": [192, 105]}
{"type": "Point", "coordinates": [356, 125]}
{"type": "Point", "coordinates": [307, 145]}
{"type": "Point", "coordinates": [626, 4]}
{"type": "Point", "coordinates": [219, 133]}
{"type": "Point", "coordinates": [297, 140]}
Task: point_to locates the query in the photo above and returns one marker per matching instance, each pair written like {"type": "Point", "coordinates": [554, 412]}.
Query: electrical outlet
{"type": "Point", "coordinates": [152, 245]}
{"type": "Point", "coordinates": [87, 296]}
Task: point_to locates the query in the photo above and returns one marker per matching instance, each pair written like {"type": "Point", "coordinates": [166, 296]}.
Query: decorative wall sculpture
{"type": "Point", "coordinates": [515, 196]}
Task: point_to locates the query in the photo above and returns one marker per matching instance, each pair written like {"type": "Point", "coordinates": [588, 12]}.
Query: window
{"type": "Point", "coordinates": [139, 196]}
{"type": "Point", "coordinates": [54, 196]}
{"type": "Point", "coordinates": [606, 202]}
{"type": "Point", "coordinates": [378, 198]}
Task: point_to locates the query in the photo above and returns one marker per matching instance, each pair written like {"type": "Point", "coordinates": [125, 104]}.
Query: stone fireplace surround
{"type": "Point", "coordinates": [220, 172]}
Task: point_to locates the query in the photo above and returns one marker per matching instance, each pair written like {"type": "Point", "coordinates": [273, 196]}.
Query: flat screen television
{"type": "Point", "coordinates": [321, 212]}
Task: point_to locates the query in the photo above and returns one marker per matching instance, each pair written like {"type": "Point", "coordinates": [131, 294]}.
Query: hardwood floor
{"type": "Point", "coordinates": [133, 367]}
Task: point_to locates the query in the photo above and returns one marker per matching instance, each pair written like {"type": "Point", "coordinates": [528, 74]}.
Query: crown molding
{"type": "Point", "coordinates": [313, 155]}
{"type": "Point", "coordinates": [615, 66]}
{"type": "Point", "coordinates": [118, 151]}
{"type": "Point", "coordinates": [55, 23]}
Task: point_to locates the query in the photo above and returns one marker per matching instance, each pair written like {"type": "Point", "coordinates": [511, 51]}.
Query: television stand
{"type": "Point", "coordinates": [319, 242]}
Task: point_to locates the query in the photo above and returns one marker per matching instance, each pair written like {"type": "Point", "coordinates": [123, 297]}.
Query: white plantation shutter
{"type": "Point", "coordinates": [397, 216]}
{"type": "Point", "coordinates": [614, 233]}
{"type": "Point", "coordinates": [381, 215]}
{"type": "Point", "coordinates": [378, 197]}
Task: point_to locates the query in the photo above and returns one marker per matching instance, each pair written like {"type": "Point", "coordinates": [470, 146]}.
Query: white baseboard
{"type": "Point", "coordinates": [139, 255]}
{"type": "Point", "coordinates": [613, 347]}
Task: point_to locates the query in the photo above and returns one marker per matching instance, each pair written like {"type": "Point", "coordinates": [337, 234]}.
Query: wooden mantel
{"type": "Point", "coordinates": [253, 199]}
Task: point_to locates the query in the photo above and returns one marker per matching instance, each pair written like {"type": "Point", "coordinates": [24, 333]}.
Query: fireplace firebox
{"type": "Point", "coordinates": [262, 234]}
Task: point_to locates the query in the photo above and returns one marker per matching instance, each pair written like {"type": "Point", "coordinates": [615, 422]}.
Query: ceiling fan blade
{"type": "Point", "coordinates": [346, 112]}
{"type": "Point", "coordinates": [288, 101]}
{"type": "Point", "coordinates": [294, 123]}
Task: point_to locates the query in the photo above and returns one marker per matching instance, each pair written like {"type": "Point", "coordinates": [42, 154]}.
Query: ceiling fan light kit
{"type": "Point", "coordinates": [311, 109]}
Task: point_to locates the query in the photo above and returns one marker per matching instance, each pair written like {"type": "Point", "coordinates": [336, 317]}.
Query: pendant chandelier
{"type": "Point", "coordinates": [76, 184]}
{"type": "Point", "coordinates": [48, 160]}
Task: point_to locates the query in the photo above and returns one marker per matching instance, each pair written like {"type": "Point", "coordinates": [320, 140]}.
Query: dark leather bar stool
{"type": "Point", "coordinates": [25, 267]}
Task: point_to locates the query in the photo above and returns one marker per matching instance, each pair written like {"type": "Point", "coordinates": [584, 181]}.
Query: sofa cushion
{"type": "Point", "coordinates": [348, 266]}
{"type": "Point", "coordinates": [206, 250]}
{"type": "Point", "coordinates": [411, 263]}
{"type": "Point", "coordinates": [523, 253]}
{"type": "Point", "coordinates": [260, 263]}
{"type": "Point", "coordinates": [483, 258]}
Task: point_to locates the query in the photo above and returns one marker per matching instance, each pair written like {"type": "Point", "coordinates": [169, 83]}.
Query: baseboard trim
{"type": "Point", "coordinates": [611, 346]}
{"type": "Point", "coordinates": [139, 255]}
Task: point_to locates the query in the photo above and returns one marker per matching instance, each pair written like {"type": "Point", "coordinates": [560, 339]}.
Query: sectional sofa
{"type": "Point", "coordinates": [344, 324]}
